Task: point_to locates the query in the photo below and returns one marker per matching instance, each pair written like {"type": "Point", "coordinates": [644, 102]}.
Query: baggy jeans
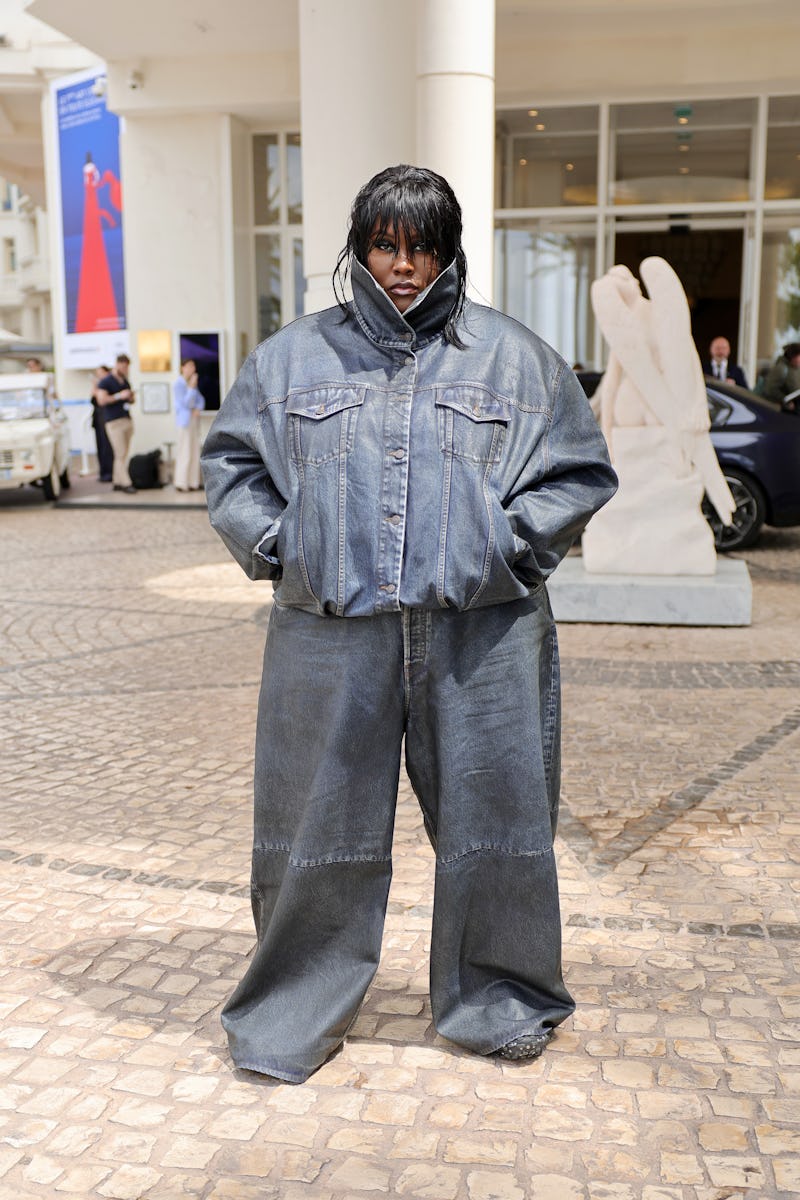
{"type": "Point", "coordinates": [476, 695]}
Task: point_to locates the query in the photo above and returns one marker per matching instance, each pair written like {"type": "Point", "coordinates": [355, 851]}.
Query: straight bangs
{"type": "Point", "coordinates": [423, 207]}
{"type": "Point", "coordinates": [413, 213]}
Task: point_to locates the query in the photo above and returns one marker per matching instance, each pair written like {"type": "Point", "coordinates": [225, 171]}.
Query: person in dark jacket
{"type": "Point", "coordinates": [719, 364]}
{"type": "Point", "coordinates": [105, 454]}
{"type": "Point", "coordinates": [783, 378]}
{"type": "Point", "coordinates": [407, 468]}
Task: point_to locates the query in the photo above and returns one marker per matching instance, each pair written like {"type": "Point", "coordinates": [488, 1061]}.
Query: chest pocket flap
{"type": "Point", "coordinates": [322, 421]}
{"type": "Point", "coordinates": [472, 423]}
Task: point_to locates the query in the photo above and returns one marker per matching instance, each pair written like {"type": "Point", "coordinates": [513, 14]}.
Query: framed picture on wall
{"type": "Point", "coordinates": [154, 397]}
{"type": "Point", "coordinates": [204, 348]}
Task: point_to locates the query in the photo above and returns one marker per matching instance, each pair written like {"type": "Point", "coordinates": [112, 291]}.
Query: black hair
{"type": "Point", "coordinates": [791, 350]}
{"type": "Point", "coordinates": [423, 207]}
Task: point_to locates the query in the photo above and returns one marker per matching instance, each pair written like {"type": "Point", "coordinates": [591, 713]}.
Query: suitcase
{"type": "Point", "coordinates": [145, 470]}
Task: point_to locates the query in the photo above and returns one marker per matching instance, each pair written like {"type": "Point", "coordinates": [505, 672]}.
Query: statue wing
{"type": "Point", "coordinates": [627, 332]}
{"type": "Point", "coordinates": [683, 376]}
{"type": "Point", "coordinates": [672, 337]}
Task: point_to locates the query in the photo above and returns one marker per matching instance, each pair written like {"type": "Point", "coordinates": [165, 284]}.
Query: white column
{"type": "Point", "coordinates": [455, 117]}
{"type": "Point", "coordinates": [357, 101]}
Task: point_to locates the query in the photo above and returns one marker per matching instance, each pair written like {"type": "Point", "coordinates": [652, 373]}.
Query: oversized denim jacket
{"type": "Point", "coordinates": [363, 463]}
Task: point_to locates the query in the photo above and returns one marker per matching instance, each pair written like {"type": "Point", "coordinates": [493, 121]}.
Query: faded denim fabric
{"type": "Point", "coordinates": [476, 696]}
{"type": "Point", "coordinates": [363, 463]}
{"type": "Point", "coordinates": [375, 472]}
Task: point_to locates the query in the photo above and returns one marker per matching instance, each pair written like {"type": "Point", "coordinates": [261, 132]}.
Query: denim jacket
{"type": "Point", "coordinates": [364, 464]}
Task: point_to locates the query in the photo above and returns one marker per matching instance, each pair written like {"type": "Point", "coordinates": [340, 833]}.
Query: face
{"type": "Point", "coordinates": [33, 365]}
{"type": "Point", "coordinates": [720, 348]}
{"type": "Point", "coordinates": [188, 369]}
{"type": "Point", "coordinates": [402, 271]}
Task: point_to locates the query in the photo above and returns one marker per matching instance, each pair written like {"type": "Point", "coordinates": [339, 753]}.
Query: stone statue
{"type": "Point", "coordinates": [653, 411]}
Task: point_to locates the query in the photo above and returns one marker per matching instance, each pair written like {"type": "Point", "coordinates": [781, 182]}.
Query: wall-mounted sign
{"type": "Point", "coordinates": [89, 256]}
{"type": "Point", "coordinates": [155, 350]}
{"type": "Point", "coordinates": [154, 397]}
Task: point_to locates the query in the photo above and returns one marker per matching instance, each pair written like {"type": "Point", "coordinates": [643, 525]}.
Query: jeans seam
{"type": "Point", "coordinates": [491, 848]}
{"type": "Point", "coordinates": [332, 860]}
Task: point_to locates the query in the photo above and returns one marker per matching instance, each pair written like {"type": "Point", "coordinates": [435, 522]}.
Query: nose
{"type": "Point", "coordinates": [403, 263]}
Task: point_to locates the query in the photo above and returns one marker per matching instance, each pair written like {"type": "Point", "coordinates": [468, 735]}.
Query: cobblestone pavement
{"type": "Point", "coordinates": [131, 652]}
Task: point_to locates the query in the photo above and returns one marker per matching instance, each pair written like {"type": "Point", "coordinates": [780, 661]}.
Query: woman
{"type": "Point", "coordinates": [189, 403]}
{"type": "Point", "coordinates": [407, 468]}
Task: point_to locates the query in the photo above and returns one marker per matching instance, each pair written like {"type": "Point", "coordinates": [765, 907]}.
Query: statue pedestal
{"type": "Point", "coordinates": [721, 599]}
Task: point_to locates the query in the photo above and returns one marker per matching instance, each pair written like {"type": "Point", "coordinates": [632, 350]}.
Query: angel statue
{"type": "Point", "coordinates": [653, 411]}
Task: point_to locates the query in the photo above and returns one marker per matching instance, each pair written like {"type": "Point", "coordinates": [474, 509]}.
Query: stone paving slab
{"type": "Point", "coordinates": [129, 673]}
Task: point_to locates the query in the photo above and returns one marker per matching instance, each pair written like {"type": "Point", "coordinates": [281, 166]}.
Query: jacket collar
{"type": "Point", "coordinates": [422, 322]}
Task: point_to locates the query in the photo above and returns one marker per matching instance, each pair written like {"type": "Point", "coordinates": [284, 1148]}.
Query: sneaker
{"type": "Point", "coordinates": [129, 491]}
{"type": "Point", "coordinates": [529, 1045]}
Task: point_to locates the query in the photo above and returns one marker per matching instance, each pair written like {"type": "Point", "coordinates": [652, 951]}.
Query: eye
{"type": "Point", "coordinates": [385, 246]}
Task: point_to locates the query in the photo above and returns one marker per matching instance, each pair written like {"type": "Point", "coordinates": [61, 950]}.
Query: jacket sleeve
{"type": "Point", "coordinates": [566, 479]}
{"type": "Point", "coordinates": [245, 504]}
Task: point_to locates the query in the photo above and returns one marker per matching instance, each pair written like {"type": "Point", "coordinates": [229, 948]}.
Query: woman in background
{"type": "Point", "coordinates": [189, 403]}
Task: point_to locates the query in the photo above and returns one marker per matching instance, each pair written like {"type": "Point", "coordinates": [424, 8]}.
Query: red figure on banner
{"type": "Point", "coordinates": [97, 307]}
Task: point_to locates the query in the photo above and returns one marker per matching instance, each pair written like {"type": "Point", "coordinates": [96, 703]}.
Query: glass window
{"type": "Point", "coordinates": [779, 310]}
{"type": "Point", "coordinates": [683, 152]}
{"type": "Point", "coordinates": [783, 149]}
{"type": "Point", "coordinates": [268, 283]}
{"type": "Point", "coordinates": [266, 179]}
{"type": "Point", "coordinates": [547, 157]}
{"type": "Point", "coordinates": [299, 277]}
{"type": "Point", "coordinates": [294, 179]}
{"type": "Point", "coordinates": [542, 277]}
{"type": "Point", "coordinates": [278, 213]}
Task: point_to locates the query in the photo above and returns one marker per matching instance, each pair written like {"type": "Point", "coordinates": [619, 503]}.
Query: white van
{"type": "Point", "coordinates": [34, 435]}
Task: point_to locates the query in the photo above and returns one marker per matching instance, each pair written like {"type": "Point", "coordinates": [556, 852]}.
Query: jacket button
{"type": "Point", "coordinates": [387, 587]}
{"type": "Point", "coordinates": [410, 360]}
{"type": "Point", "coordinates": [398, 453]}
{"type": "Point", "coordinates": [476, 408]}
{"type": "Point", "coordinates": [321, 410]}
{"type": "Point", "coordinates": [394, 519]}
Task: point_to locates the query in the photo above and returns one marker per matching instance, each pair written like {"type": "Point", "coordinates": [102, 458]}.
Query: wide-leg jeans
{"type": "Point", "coordinates": [476, 695]}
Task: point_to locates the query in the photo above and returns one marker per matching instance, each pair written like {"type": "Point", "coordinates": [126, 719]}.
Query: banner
{"type": "Point", "coordinates": [90, 194]}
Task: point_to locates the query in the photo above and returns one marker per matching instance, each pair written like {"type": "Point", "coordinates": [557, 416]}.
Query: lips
{"type": "Point", "coordinates": [404, 289]}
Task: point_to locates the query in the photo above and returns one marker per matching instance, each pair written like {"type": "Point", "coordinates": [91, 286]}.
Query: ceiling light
{"type": "Point", "coordinates": [569, 166]}
{"type": "Point", "coordinates": [683, 170]}
{"type": "Point", "coordinates": [683, 120]}
{"type": "Point", "coordinates": [533, 112]}
{"type": "Point", "coordinates": [523, 162]}
{"type": "Point", "coordinates": [683, 149]}
{"type": "Point", "coordinates": [540, 126]}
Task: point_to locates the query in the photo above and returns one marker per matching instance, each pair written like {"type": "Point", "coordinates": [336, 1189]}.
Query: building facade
{"type": "Point", "coordinates": [577, 134]}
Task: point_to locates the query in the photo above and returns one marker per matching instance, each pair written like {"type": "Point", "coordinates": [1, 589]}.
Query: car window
{"type": "Point", "coordinates": [22, 404]}
{"type": "Point", "coordinates": [718, 409]}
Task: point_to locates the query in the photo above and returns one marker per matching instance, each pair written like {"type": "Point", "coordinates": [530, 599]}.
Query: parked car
{"type": "Point", "coordinates": [34, 436]}
{"type": "Point", "coordinates": [758, 447]}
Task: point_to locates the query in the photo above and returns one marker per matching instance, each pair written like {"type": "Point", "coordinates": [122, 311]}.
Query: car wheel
{"type": "Point", "coordinates": [51, 484]}
{"type": "Point", "coordinates": [65, 479]}
{"type": "Point", "coordinates": [749, 516]}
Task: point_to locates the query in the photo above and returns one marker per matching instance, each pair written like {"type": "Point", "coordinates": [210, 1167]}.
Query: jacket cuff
{"type": "Point", "coordinates": [264, 549]}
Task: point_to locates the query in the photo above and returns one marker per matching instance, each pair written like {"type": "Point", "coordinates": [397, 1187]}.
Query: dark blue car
{"type": "Point", "coordinates": [758, 447]}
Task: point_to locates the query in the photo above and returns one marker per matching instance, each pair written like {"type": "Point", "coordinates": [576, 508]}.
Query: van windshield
{"type": "Point", "coordinates": [22, 404]}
